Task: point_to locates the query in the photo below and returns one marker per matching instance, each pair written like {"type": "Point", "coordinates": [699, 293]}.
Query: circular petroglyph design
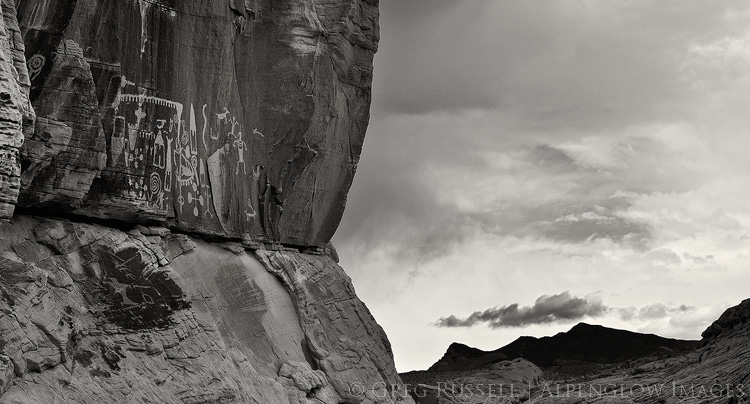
{"type": "Point", "coordinates": [36, 63]}
{"type": "Point", "coordinates": [155, 183]}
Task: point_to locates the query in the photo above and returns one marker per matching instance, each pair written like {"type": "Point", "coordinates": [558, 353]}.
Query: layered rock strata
{"type": "Point", "coordinates": [231, 118]}
{"type": "Point", "coordinates": [92, 314]}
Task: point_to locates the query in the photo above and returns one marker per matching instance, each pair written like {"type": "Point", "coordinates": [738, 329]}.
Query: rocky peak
{"type": "Point", "coordinates": [457, 348]}
{"type": "Point", "coordinates": [460, 356]}
{"type": "Point", "coordinates": [731, 318]}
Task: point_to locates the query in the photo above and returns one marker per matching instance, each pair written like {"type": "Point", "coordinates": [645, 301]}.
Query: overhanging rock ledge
{"type": "Point", "coordinates": [171, 173]}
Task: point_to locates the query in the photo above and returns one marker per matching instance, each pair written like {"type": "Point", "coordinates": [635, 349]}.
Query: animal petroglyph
{"type": "Point", "coordinates": [250, 215]}
{"type": "Point", "coordinates": [222, 116]}
{"type": "Point", "coordinates": [167, 158]}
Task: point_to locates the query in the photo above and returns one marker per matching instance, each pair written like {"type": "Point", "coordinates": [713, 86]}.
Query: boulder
{"type": "Point", "coordinates": [733, 317]}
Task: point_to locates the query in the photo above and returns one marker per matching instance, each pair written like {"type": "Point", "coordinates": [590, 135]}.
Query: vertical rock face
{"type": "Point", "coordinates": [160, 118]}
{"type": "Point", "coordinates": [234, 118]}
{"type": "Point", "coordinates": [16, 114]}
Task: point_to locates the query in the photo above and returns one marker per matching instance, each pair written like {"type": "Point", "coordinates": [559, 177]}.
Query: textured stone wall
{"type": "Point", "coordinates": [91, 314]}
{"type": "Point", "coordinates": [16, 114]}
{"type": "Point", "coordinates": [243, 119]}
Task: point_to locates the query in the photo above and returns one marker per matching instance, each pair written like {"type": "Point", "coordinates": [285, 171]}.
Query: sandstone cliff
{"type": "Point", "coordinates": [233, 118]}
{"type": "Point", "coordinates": [177, 169]}
{"type": "Point", "coordinates": [91, 314]}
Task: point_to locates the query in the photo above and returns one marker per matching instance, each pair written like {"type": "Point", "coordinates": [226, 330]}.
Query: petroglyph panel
{"type": "Point", "coordinates": [230, 118]}
{"type": "Point", "coordinates": [163, 158]}
{"type": "Point", "coordinates": [142, 142]}
{"type": "Point", "coordinates": [137, 295]}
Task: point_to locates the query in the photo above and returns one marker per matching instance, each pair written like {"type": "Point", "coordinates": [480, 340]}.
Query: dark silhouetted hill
{"type": "Point", "coordinates": [584, 342]}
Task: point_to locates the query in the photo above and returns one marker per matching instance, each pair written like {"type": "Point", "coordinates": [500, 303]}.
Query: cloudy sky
{"type": "Point", "coordinates": [535, 163]}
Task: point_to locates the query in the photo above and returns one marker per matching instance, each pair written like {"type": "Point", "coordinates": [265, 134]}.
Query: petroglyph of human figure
{"type": "Point", "coordinates": [240, 145]}
{"type": "Point", "coordinates": [139, 114]}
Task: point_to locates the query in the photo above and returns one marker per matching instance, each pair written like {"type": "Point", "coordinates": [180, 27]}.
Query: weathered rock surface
{"type": "Point", "coordinates": [16, 114]}
{"type": "Point", "coordinates": [734, 316]}
{"type": "Point", "coordinates": [502, 382]}
{"type": "Point", "coordinates": [91, 314]}
{"type": "Point", "coordinates": [243, 119]}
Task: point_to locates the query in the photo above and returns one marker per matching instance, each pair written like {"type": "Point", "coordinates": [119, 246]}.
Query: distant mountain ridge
{"type": "Point", "coordinates": [647, 368]}
{"type": "Point", "coordinates": [584, 342]}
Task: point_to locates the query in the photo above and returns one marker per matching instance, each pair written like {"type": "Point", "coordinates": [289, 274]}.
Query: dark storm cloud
{"type": "Point", "coordinates": [558, 308]}
{"type": "Point", "coordinates": [543, 64]}
{"type": "Point", "coordinates": [400, 201]}
{"type": "Point", "coordinates": [545, 134]}
{"type": "Point", "coordinates": [425, 72]}
{"type": "Point", "coordinates": [588, 209]}
{"type": "Point", "coordinates": [390, 200]}
{"type": "Point", "coordinates": [546, 309]}
{"type": "Point", "coordinates": [456, 79]}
